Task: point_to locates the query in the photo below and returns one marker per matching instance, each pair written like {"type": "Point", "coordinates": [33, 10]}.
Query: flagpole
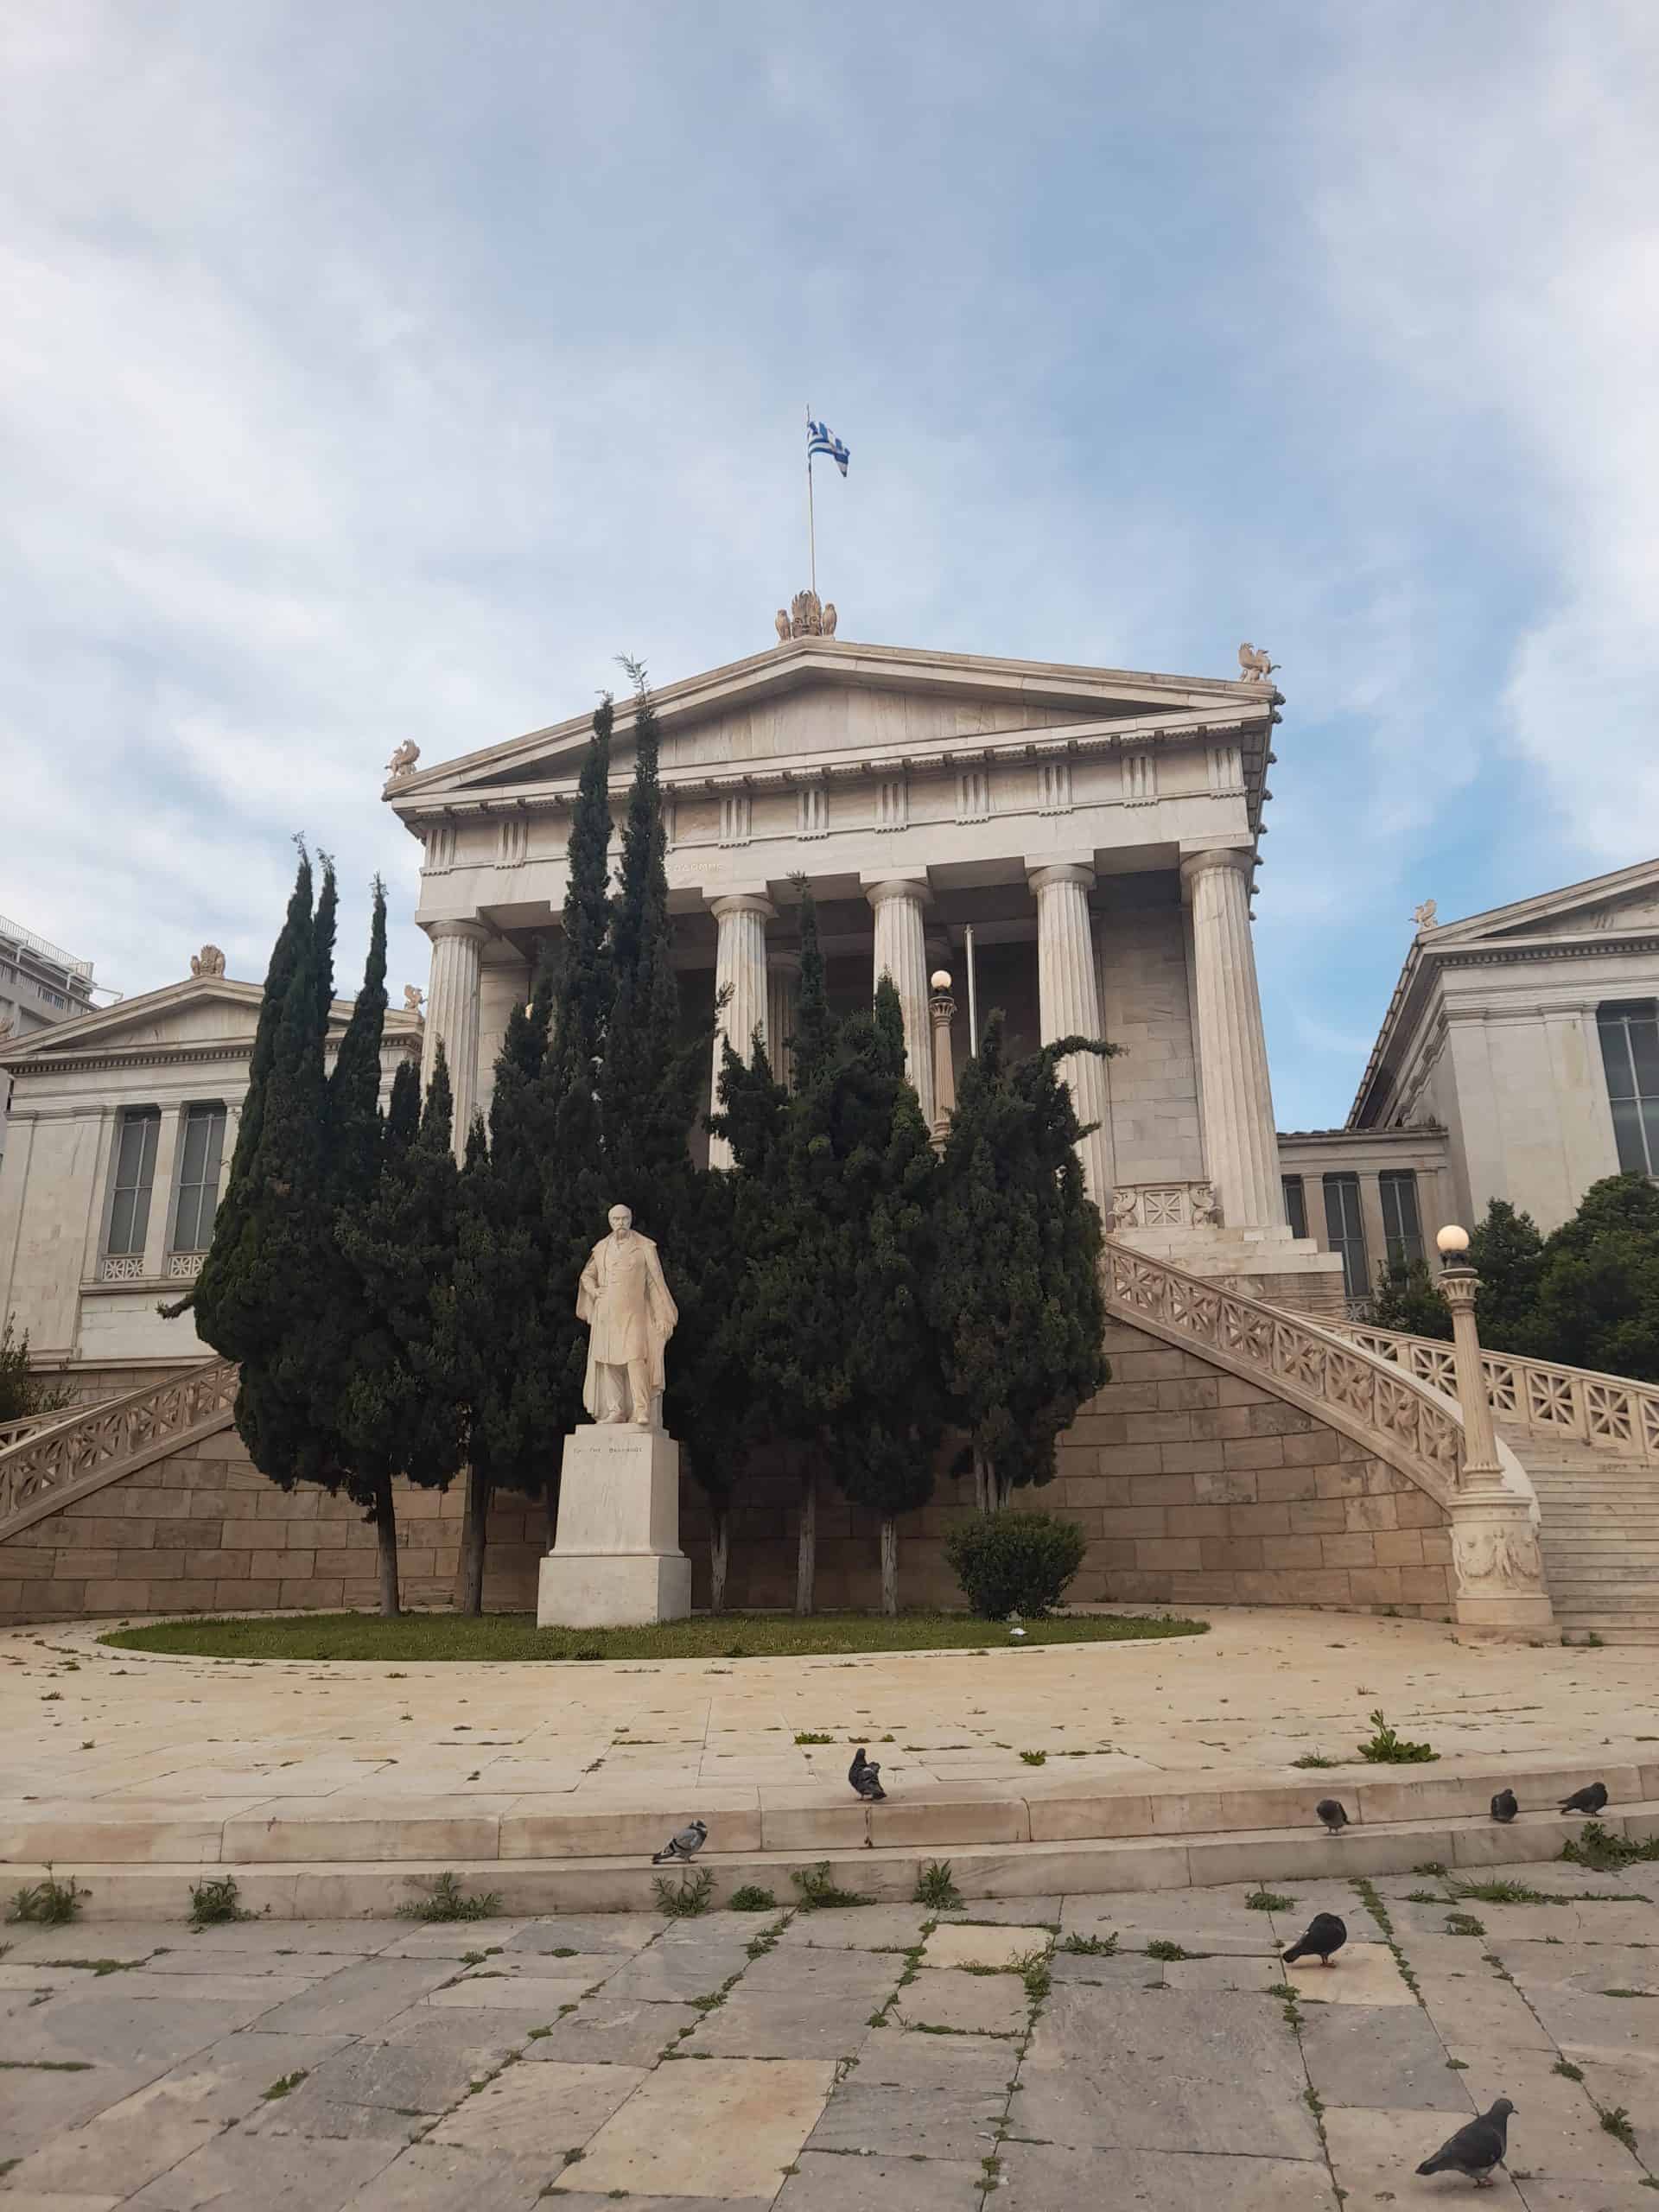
{"type": "Point", "coordinates": [811, 526]}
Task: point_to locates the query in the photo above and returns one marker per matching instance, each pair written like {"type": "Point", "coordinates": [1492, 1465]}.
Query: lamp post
{"type": "Point", "coordinates": [943, 1007]}
{"type": "Point", "coordinates": [1499, 1570]}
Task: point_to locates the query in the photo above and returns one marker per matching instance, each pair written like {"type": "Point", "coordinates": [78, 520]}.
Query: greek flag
{"type": "Point", "coordinates": [820, 438]}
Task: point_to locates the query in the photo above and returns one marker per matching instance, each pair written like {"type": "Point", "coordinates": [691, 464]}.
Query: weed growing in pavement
{"type": "Point", "coordinates": [1388, 1748]}
{"type": "Point", "coordinates": [816, 1887]}
{"type": "Point", "coordinates": [49, 1903]}
{"type": "Point", "coordinates": [445, 1899]}
{"type": "Point", "coordinates": [214, 1902]}
{"type": "Point", "coordinates": [934, 1887]}
{"type": "Point", "coordinates": [689, 1898]}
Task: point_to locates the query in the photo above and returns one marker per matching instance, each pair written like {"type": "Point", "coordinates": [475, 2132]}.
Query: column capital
{"type": "Point", "coordinates": [1239, 857]}
{"type": "Point", "coordinates": [1041, 874]}
{"type": "Point", "coordinates": [722, 903]}
{"type": "Point", "coordinates": [469, 932]}
{"type": "Point", "coordinates": [882, 890]}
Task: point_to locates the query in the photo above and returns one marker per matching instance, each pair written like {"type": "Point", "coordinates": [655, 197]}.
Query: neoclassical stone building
{"type": "Point", "coordinates": [1076, 845]}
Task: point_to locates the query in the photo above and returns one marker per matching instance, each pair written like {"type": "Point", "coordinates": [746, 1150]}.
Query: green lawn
{"type": "Point", "coordinates": [515, 1635]}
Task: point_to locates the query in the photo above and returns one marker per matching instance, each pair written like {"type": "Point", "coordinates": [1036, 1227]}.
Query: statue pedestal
{"type": "Point", "coordinates": [1499, 1572]}
{"type": "Point", "coordinates": [616, 1561]}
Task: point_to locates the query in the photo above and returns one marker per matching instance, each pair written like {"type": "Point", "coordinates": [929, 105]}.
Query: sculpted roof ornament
{"type": "Point", "coordinates": [808, 617]}
{"type": "Point", "coordinates": [402, 762]}
{"type": "Point", "coordinates": [1255, 667]}
{"type": "Point", "coordinates": [414, 999]}
{"type": "Point", "coordinates": [1425, 916]}
{"type": "Point", "coordinates": [210, 961]}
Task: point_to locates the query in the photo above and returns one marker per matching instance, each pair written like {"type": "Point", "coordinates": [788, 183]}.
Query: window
{"type": "Point", "coordinates": [202, 1144]}
{"type": "Point", "coordinates": [1295, 1205]}
{"type": "Point", "coordinates": [1630, 1053]}
{"type": "Point", "coordinates": [134, 1170]}
{"type": "Point", "coordinates": [1401, 1223]}
{"type": "Point", "coordinates": [1346, 1232]}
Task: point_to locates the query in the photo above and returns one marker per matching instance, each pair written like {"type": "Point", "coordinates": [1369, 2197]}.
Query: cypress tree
{"type": "Point", "coordinates": [1015, 1295]}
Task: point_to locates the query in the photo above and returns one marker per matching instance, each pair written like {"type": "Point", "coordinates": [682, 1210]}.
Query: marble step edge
{"type": "Point", "coordinates": [387, 1833]}
{"type": "Point", "coordinates": [344, 1890]}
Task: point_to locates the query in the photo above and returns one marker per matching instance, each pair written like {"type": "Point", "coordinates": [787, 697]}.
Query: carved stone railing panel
{"type": "Point", "coordinates": [1409, 1421]}
{"type": "Point", "coordinates": [125, 1267]}
{"type": "Point", "coordinates": [1571, 1403]}
{"type": "Point", "coordinates": [81, 1452]}
{"type": "Point", "coordinates": [1164, 1205]}
{"type": "Point", "coordinates": [185, 1266]}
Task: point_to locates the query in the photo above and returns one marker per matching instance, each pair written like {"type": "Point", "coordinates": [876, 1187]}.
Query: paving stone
{"type": "Point", "coordinates": [954, 1944]}
{"type": "Point", "coordinates": [114, 1939]}
{"type": "Point", "coordinates": [537, 1998]}
{"type": "Point", "coordinates": [342, 1939]}
{"type": "Point", "coordinates": [287, 2173]}
{"type": "Point", "coordinates": [721, 2128]}
{"type": "Point", "coordinates": [442, 2177]}
{"type": "Point", "coordinates": [914, 2095]}
{"type": "Point", "coordinates": [1125, 1969]}
{"type": "Point", "coordinates": [1379, 2055]}
{"type": "Point", "coordinates": [804, 2024]}
{"type": "Point", "coordinates": [867, 1928]}
{"type": "Point", "coordinates": [386, 2085]}
{"type": "Point", "coordinates": [613, 2031]}
{"type": "Point", "coordinates": [190, 1964]}
{"type": "Point", "coordinates": [1583, 1926]}
{"type": "Point", "coordinates": [452, 1939]}
{"type": "Point", "coordinates": [973, 2004]}
{"type": "Point", "coordinates": [92, 2022]}
{"type": "Point", "coordinates": [865, 1973]}
{"type": "Point", "coordinates": [1633, 2082]}
{"type": "Point", "coordinates": [1374, 2150]}
{"type": "Point", "coordinates": [580, 1931]}
{"type": "Point", "coordinates": [826, 2184]}
{"type": "Point", "coordinates": [1587, 1967]}
{"type": "Point", "coordinates": [540, 2113]}
{"type": "Point", "coordinates": [680, 1971]}
{"type": "Point", "coordinates": [1225, 1970]}
{"type": "Point", "coordinates": [1041, 2176]}
{"type": "Point", "coordinates": [1165, 2070]}
{"type": "Point", "coordinates": [1198, 1919]}
{"type": "Point", "coordinates": [1541, 2194]}
{"type": "Point", "coordinates": [1361, 1973]}
{"type": "Point", "coordinates": [362, 1999]}
{"type": "Point", "coordinates": [1556, 2129]}
{"type": "Point", "coordinates": [583, 2200]}
{"type": "Point", "coordinates": [1022, 1911]}
{"type": "Point", "coordinates": [1585, 2022]}
{"type": "Point", "coordinates": [1482, 2012]}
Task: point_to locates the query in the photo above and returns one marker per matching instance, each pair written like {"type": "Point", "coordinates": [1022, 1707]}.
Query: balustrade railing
{"type": "Point", "coordinates": [1573, 1403]}
{"type": "Point", "coordinates": [73, 1452]}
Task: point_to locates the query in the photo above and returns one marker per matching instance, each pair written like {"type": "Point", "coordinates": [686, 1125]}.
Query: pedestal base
{"type": "Point", "coordinates": [1500, 1595]}
{"type": "Point", "coordinates": [617, 1561]}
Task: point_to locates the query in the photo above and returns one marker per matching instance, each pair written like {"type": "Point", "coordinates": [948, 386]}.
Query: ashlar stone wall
{"type": "Point", "coordinates": [1193, 1486]}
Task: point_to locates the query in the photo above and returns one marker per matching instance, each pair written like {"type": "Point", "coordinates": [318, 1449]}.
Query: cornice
{"type": "Point", "coordinates": [162, 1055]}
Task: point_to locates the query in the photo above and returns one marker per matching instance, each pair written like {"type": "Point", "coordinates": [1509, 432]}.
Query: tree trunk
{"type": "Point", "coordinates": [385, 1538]}
{"type": "Point", "coordinates": [806, 1558]}
{"type": "Point", "coordinates": [474, 1537]}
{"type": "Point", "coordinates": [719, 1543]}
{"type": "Point", "coordinates": [889, 1565]}
{"type": "Point", "coordinates": [984, 1483]}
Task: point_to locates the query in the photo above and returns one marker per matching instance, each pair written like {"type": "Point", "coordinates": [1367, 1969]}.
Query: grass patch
{"type": "Point", "coordinates": [1034, 1759]}
{"type": "Point", "coordinates": [1269, 1901]}
{"type": "Point", "coordinates": [1616, 2119]}
{"type": "Point", "coordinates": [212, 1903]}
{"type": "Point", "coordinates": [934, 1887]}
{"type": "Point", "coordinates": [816, 1887]}
{"type": "Point", "coordinates": [428, 1636]}
{"type": "Point", "coordinates": [1599, 1848]}
{"type": "Point", "coordinates": [1315, 1758]}
{"type": "Point", "coordinates": [686, 1899]}
{"type": "Point", "coordinates": [49, 1903]}
{"type": "Point", "coordinates": [1090, 1947]}
{"type": "Point", "coordinates": [1505, 1893]}
{"type": "Point", "coordinates": [1162, 1948]}
{"type": "Point", "coordinates": [1464, 1923]}
{"type": "Point", "coordinates": [445, 1899]}
{"type": "Point", "coordinates": [283, 2085]}
{"type": "Point", "coordinates": [750, 1899]}
{"type": "Point", "coordinates": [1388, 1748]}
{"type": "Point", "coordinates": [1564, 2065]}
{"type": "Point", "coordinates": [807, 1735]}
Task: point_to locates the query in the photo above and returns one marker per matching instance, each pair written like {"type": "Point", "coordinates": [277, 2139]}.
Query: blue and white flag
{"type": "Point", "coordinates": [820, 438]}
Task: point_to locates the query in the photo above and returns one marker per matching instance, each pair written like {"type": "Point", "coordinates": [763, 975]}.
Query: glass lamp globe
{"type": "Point", "coordinates": [1451, 1240]}
{"type": "Point", "coordinates": [940, 979]}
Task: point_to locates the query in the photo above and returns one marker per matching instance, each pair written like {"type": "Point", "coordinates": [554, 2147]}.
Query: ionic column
{"type": "Point", "coordinates": [739, 968]}
{"type": "Point", "coordinates": [1068, 1005]}
{"type": "Point", "coordinates": [1241, 1151]}
{"type": "Point", "coordinates": [782, 998]}
{"type": "Point", "coordinates": [452, 1005]}
{"type": "Point", "coordinates": [901, 952]}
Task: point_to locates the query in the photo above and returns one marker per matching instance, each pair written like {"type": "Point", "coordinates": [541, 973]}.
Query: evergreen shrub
{"type": "Point", "coordinates": [1014, 1562]}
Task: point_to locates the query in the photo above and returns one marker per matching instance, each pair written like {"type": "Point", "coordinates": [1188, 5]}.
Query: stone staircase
{"type": "Point", "coordinates": [1600, 1534]}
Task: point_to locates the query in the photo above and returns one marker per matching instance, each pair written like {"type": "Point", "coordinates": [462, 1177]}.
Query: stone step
{"type": "Point", "coordinates": [964, 1815]}
{"type": "Point", "coordinates": [323, 1889]}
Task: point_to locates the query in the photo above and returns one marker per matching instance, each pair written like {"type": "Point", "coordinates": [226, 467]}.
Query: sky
{"type": "Point", "coordinates": [371, 373]}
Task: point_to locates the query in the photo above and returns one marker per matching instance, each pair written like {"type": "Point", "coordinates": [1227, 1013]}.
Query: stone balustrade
{"type": "Point", "coordinates": [84, 1450]}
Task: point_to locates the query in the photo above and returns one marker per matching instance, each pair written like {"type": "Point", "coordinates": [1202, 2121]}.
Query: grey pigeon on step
{"type": "Point", "coordinates": [1330, 1811]}
{"type": "Point", "coordinates": [684, 1843]}
{"type": "Point", "coordinates": [1325, 1936]}
{"type": "Point", "coordinates": [1505, 1806]}
{"type": "Point", "coordinates": [865, 1775]}
{"type": "Point", "coordinates": [1476, 2149]}
{"type": "Point", "coordinates": [1590, 1799]}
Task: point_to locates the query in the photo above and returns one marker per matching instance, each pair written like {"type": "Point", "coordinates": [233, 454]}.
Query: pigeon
{"type": "Point", "coordinates": [1590, 1799]}
{"type": "Point", "coordinates": [684, 1843]}
{"type": "Point", "coordinates": [1330, 1811]}
{"type": "Point", "coordinates": [1505, 1806]}
{"type": "Point", "coordinates": [1476, 2149]}
{"type": "Point", "coordinates": [1326, 1935]}
{"type": "Point", "coordinates": [865, 1775]}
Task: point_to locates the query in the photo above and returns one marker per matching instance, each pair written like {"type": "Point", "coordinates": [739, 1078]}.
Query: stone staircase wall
{"type": "Point", "coordinates": [1599, 1528]}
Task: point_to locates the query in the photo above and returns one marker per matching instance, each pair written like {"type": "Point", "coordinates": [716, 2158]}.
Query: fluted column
{"type": "Point", "coordinates": [901, 952]}
{"type": "Point", "coordinates": [1241, 1151]}
{"type": "Point", "coordinates": [741, 971]}
{"type": "Point", "coordinates": [452, 1001]}
{"type": "Point", "coordinates": [782, 1000]}
{"type": "Point", "coordinates": [1068, 1004]}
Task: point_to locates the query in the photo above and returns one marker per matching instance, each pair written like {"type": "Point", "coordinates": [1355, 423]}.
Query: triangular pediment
{"type": "Point", "coordinates": [1627, 899]}
{"type": "Point", "coordinates": [823, 698]}
{"type": "Point", "coordinates": [203, 1011]}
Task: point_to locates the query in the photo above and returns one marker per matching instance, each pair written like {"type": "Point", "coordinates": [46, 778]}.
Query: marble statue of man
{"type": "Point", "coordinates": [631, 1316]}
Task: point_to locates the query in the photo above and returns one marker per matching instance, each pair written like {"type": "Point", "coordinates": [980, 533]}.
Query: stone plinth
{"type": "Point", "coordinates": [616, 1561]}
{"type": "Point", "coordinates": [1498, 1570]}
